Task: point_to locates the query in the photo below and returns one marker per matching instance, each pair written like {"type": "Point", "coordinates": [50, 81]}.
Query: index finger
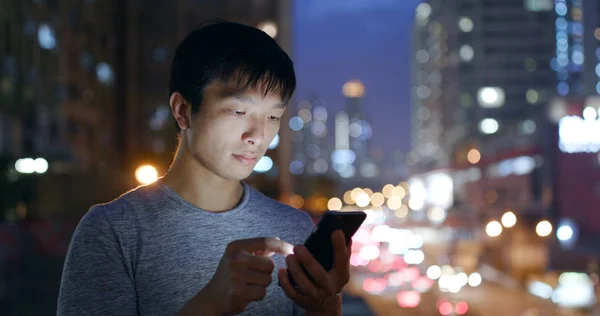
{"type": "Point", "coordinates": [262, 244]}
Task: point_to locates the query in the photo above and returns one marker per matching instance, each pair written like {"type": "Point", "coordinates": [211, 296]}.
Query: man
{"type": "Point", "coordinates": [193, 243]}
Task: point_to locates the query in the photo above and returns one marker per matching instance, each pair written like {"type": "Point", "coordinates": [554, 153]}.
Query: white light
{"type": "Point", "coordinates": [434, 272]}
{"type": "Point", "coordinates": [369, 252]}
{"type": "Point", "coordinates": [491, 97]}
{"type": "Point", "coordinates": [564, 233]}
{"type": "Point", "coordinates": [414, 257]}
{"type": "Point", "coordinates": [440, 190]}
{"type": "Point", "coordinates": [567, 232]}
{"type": "Point", "coordinates": [362, 200]}
{"type": "Point", "coordinates": [488, 126]}
{"type": "Point", "coordinates": [540, 289]}
{"type": "Point", "coordinates": [466, 53]}
{"type": "Point", "coordinates": [398, 248]}
{"type": "Point", "coordinates": [348, 171]}
{"type": "Point", "coordinates": [275, 142]}
{"type": "Point", "coordinates": [462, 279]}
{"type": "Point", "coordinates": [25, 165]}
{"type": "Point", "coordinates": [543, 228]}
{"type": "Point", "coordinates": [423, 10]}
{"type": "Point", "coordinates": [436, 215]}
{"type": "Point", "coordinates": [422, 56]}
{"type": "Point", "coordinates": [589, 113]}
{"type": "Point", "coordinates": [475, 279]}
{"type": "Point", "coordinates": [416, 204]}
{"type": "Point", "coordinates": [578, 135]}
{"type": "Point", "coordinates": [465, 24]}
{"type": "Point", "coordinates": [416, 242]}
{"type": "Point", "coordinates": [509, 219]}
{"type": "Point", "coordinates": [264, 164]}
{"type": "Point", "coordinates": [146, 174]}
{"type": "Point", "coordinates": [40, 165]}
{"type": "Point", "coordinates": [493, 229]}
{"type": "Point", "coordinates": [269, 27]}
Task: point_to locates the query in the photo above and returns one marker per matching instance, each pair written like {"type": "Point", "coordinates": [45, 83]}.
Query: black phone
{"type": "Point", "coordinates": [319, 242]}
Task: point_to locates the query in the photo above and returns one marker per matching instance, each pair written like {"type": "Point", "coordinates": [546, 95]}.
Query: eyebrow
{"type": "Point", "coordinates": [240, 96]}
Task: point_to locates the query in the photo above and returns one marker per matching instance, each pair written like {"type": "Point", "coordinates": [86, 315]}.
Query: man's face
{"type": "Point", "coordinates": [233, 129]}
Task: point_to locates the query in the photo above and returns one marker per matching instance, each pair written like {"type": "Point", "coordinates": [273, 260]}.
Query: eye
{"type": "Point", "coordinates": [236, 112]}
{"type": "Point", "coordinates": [274, 118]}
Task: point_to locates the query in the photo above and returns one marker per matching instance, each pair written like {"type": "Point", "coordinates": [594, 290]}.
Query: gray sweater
{"type": "Point", "coordinates": [149, 252]}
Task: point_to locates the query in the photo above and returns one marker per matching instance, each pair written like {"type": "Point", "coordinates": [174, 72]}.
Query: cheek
{"type": "Point", "coordinates": [218, 135]}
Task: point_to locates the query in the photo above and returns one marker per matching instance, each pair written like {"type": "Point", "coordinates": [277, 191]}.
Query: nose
{"type": "Point", "coordinates": [255, 135]}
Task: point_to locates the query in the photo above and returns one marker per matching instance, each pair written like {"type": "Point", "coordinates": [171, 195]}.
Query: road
{"type": "Point", "coordinates": [489, 299]}
{"type": "Point", "coordinates": [386, 304]}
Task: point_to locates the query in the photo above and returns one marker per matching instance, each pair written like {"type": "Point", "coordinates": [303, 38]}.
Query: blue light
{"type": "Point", "coordinates": [563, 74]}
{"type": "Point", "coordinates": [562, 35]}
{"type": "Point", "coordinates": [275, 142]}
{"type": "Point", "coordinates": [104, 73]}
{"type": "Point", "coordinates": [296, 123]}
{"type": "Point", "coordinates": [562, 59]}
{"type": "Point", "coordinates": [598, 87]}
{"type": "Point", "coordinates": [264, 164]}
{"type": "Point", "coordinates": [561, 9]}
{"type": "Point", "coordinates": [561, 23]}
{"type": "Point", "coordinates": [554, 64]}
{"type": "Point", "coordinates": [562, 45]}
{"type": "Point", "coordinates": [577, 28]}
{"type": "Point", "coordinates": [562, 88]}
{"type": "Point", "coordinates": [46, 37]}
{"type": "Point", "coordinates": [577, 58]}
{"type": "Point", "coordinates": [343, 156]}
{"type": "Point", "coordinates": [296, 167]}
{"type": "Point", "coordinates": [567, 232]}
{"type": "Point", "coordinates": [598, 70]}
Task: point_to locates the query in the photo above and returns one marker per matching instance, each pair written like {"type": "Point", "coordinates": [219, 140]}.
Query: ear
{"type": "Point", "coordinates": [181, 110]}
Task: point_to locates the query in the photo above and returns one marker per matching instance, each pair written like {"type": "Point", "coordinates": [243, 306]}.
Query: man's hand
{"type": "Point", "coordinates": [318, 296]}
{"type": "Point", "coordinates": [242, 276]}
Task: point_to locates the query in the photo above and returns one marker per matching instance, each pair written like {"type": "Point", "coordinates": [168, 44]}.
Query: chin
{"type": "Point", "coordinates": [237, 175]}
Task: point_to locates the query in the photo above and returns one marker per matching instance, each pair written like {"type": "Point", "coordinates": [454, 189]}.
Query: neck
{"type": "Point", "coordinates": [201, 187]}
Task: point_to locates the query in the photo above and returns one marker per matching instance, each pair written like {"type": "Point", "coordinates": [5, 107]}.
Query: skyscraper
{"type": "Point", "coordinates": [487, 75]}
{"type": "Point", "coordinates": [58, 81]}
{"type": "Point", "coordinates": [484, 71]}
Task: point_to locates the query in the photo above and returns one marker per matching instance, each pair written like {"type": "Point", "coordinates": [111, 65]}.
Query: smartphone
{"type": "Point", "coordinates": [319, 242]}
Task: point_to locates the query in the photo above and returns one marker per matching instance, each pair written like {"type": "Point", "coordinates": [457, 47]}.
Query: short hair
{"type": "Point", "coordinates": [226, 51]}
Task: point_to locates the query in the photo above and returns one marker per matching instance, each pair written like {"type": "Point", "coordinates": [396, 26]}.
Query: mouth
{"type": "Point", "coordinates": [247, 160]}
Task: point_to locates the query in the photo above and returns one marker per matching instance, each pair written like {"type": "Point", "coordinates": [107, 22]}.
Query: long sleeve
{"type": "Point", "coordinates": [95, 279]}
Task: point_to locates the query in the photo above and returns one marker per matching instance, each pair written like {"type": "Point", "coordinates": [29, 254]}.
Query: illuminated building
{"type": "Point", "coordinates": [87, 82]}
{"type": "Point", "coordinates": [58, 75]}
{"type": "Point", "coordinates": [352, 134]}
{"type": "Point", "coordinates": [310, 139]}
{"type": "Point", "coordinates": [486, 76]}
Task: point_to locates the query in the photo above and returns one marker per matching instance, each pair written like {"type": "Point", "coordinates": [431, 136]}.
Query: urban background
{"type": "Point", "coordinates": [468, 130]}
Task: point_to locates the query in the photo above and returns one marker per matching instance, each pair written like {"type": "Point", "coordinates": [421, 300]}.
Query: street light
{"type": "Point", "coordinates": [543, 228]}
{"type": "Point", "coordinates": [146, 174]}
{"type": "Point", "coordinates": [493, 229]}
{"type": "Point", "coordinates": [509, 219]}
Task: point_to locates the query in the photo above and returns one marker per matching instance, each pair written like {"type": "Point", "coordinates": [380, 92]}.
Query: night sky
{"type": "Point", "coordinates": [369, 40]}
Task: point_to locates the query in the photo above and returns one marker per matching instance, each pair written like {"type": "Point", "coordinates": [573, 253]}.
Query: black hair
{"type": "Point", "coordinates": [225, 51]}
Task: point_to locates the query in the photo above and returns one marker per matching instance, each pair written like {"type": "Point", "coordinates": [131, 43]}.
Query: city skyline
{"type": "Point", "coordinates": [326, 55]}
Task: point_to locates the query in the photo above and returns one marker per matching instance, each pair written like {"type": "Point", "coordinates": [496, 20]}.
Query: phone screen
{"type": "Point", "coordinates": [319, 242]}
